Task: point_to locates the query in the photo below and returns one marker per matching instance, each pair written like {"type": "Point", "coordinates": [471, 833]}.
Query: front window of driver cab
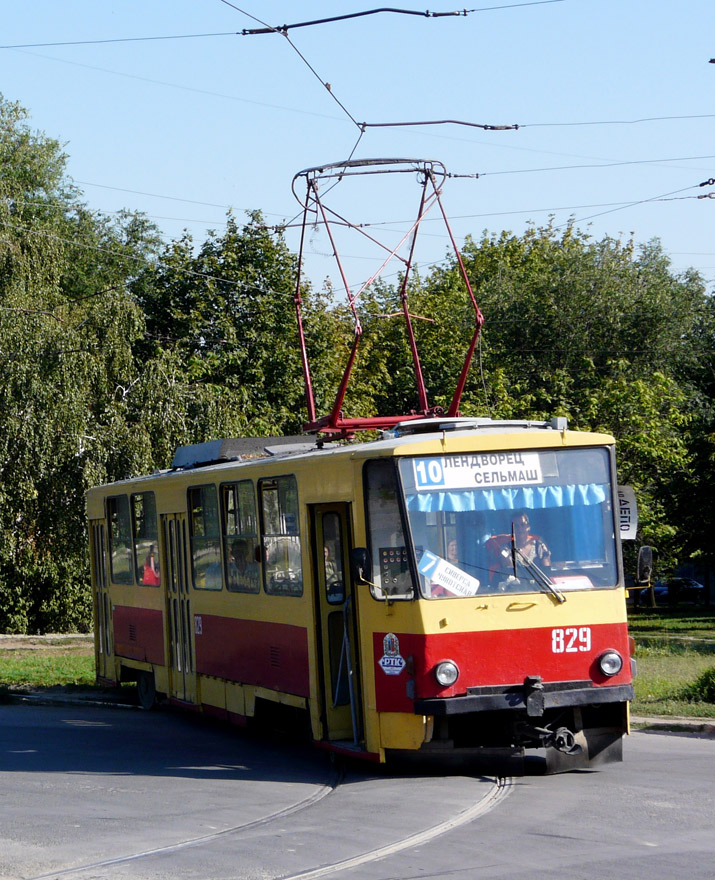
{"type": "Point", "coordinates": [391, 572]}
{"type": "Point", "coordinates": [485, 523]}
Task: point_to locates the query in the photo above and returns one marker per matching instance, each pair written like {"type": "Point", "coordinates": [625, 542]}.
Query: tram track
{"type": "Point", "coordinates": [324, 791]}
{"type": "Point", "coordinates": [499, 789]}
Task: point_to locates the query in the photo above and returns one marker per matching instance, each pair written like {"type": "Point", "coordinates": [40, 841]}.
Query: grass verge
{"type": "Point", "coordinates": [31, 662]}
{"type": "Point", "coordinates": [675, 651]}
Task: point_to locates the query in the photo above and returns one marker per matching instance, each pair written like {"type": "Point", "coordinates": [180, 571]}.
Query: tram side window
{"type": "Point", "coordinates": [333, 559]}
{"type": "Point", "coordinates": [282, 572]}
{"type": "Point", "coordinates": [120, 540]}
{"type": "Point", "coordinates": [146, 544]}
{"type": "Point", "coordinates": [240, 537]}
{"type": "Point", "coordinates": [391, 573]}
{"type": "Point", "coordinates": [205, 538]}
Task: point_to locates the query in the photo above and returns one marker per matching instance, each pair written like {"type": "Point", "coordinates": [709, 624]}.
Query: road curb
{"type": "Point", "coordinates": [704, 727]}
{"type": "Point", "coordinates": [64, 700]}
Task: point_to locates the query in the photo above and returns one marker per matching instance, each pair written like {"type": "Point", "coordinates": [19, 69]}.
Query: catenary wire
{"type": "Point", "coordinates": [160, 37]}
{"type": "Point", "coordinates": [243, 285]}
{"type": "Point", "coordinates": [427, 14]}
{"type": "Point", "coordinates": [183, 88]}
{"type": "Point", "coordinates": [483, 126]}
{"type": "Point", "coordinates": [117, 40]}
{"type": "Point", "coordinates": [597, 165]}
{"type": "Point", "coordinates": [323, 82]}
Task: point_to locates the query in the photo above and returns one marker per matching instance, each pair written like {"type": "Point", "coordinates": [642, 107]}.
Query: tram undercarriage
{"type": "Point", "coordinates": [571, 736]}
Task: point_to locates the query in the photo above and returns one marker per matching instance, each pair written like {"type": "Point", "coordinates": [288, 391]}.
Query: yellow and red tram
{"type": "Point", "coordinates": [454, 587]}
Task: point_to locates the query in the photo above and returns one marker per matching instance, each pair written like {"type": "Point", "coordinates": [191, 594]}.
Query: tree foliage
{"type": "Point", "coordinates": [116, 348]}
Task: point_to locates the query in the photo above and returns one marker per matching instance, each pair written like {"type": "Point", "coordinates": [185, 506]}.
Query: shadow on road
{"type": "Point", "coordinates": [95, 739]}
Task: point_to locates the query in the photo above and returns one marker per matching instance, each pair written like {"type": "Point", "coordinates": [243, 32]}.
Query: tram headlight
{"type": "Point", "coordinates": [446, 673]}
{"type": "Point", "coordinates": [610, 663]}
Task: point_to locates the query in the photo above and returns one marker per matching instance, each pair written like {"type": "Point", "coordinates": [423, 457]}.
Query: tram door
{"type": "Point", "coordinates": [104, 650]}
{"type": "Point", "coordinates": [336, 614]}
{"type": "Point", "coordinates": [182, 671]}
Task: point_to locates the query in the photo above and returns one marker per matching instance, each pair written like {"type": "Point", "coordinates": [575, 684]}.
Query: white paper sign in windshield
{"type": "Point", "coordinates": [446, 575]}
{"type": "Point", "coordinates": [483, 469]}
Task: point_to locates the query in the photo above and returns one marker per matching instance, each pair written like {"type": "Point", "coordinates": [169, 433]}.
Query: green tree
{"type": "Point", "coordinates": [227, 314]}
{"type": "Point", "coordinates": [66, 327]}
{"type": "Point", "coordinates": [600, 331]}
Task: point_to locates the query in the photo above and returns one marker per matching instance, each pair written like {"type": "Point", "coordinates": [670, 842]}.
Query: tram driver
{"type": "Point", "coordinates": [505, 573]}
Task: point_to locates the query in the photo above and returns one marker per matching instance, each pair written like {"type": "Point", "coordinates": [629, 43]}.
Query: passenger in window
{"type": "Point", "coordinates": [453, 552]}
{"type": "Point", "coordinates": [151, 569]}
{"type": "Point", "coordinates": [213, 579]}
{"type": "Point", "coordinates": [333, 578]}
{"type": "Point", "coordinates": [242, 572]}
{"type": "Point", "coordinates": [331, 569]}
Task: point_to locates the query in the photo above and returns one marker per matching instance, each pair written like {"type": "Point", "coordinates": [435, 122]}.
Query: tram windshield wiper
{"type": "Point", "coordinates": [540, 576]}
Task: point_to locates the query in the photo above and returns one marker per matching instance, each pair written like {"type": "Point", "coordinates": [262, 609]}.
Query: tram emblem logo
{"type": "Point", "coordinates": [391, 662]}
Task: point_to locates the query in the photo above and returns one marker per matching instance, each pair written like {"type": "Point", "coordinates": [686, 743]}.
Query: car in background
{"type": "Point", "coordinates": [680, 589]}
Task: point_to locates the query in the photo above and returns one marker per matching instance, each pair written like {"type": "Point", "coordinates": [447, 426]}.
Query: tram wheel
{"type": "Point", "coordinates": [146, 690]}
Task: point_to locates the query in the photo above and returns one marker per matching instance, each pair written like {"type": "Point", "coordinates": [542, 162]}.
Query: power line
{"type": "Point", "coordinates": [183, 88]}
{"type": "Point", "coordinates": [518, 126]}
{"type": "Point", "coordinates": [116, 40]}
{"type": "Point", "coordinates": [138, 192]}
{"type": "Point", "coordinates": [482, 125]}
{"type": "Point", "coordinates": [130, 258]}
{"type": "Point", "coordinates": [281, 29]}
{"type": "Point", "coordinates": [661, 197]}
{"type": "Point", "coordinates": [427, 14]}
{"type": "Point", "coordinates": [604, 164]}
{"type": "Point", "coordinates": [614, 121]}
{"type": "Point", "coordinates": [364, 125]}
{"type": "Point", "coordinates": [532, 211]}
{"type": "Point", "coordinates": [596, 165]}
{"type": "Point", "coordinates": [310, 67]}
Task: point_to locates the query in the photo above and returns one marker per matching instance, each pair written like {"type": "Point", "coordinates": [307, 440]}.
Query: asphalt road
{"type": "Point", "coordinates": [98, 792]}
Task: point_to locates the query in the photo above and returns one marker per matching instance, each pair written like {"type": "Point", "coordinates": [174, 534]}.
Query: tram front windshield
{"type": "Point", "coordinates": [496, 522]}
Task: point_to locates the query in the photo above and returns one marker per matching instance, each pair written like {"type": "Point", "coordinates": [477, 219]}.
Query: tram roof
{"type": "Point", "coordinates": [418, 436]}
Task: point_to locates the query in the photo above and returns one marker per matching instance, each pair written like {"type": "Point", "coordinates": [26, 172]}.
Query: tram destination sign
{"type": "Point", "coordinates": [482, 469]}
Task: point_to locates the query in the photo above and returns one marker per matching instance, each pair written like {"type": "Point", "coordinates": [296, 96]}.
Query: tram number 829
{"type": "Point", "coordinates": [571, 640]}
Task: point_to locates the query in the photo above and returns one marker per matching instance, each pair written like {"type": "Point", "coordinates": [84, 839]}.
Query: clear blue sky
{"type": "Point", "coordinates": [182, 129]}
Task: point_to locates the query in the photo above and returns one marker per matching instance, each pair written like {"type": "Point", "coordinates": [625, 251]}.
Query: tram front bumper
{"type": "Point", "coordinates": [533, 696]}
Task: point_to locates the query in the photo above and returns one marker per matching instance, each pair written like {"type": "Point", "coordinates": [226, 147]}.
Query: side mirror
{"type": "Point", "coordinates": [360, 566]}
{"type": "Point", "coordinates": [645, 565]}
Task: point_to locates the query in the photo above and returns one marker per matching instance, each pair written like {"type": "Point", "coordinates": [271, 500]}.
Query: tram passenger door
{"type": "Point", "coordinates": [182, 669]}
{"type": "Point", "coordinates": [103, 644]}
{"type": "Point", "coordinates": [336, 614]}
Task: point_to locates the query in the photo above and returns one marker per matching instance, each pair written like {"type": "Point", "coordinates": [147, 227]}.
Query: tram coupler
{"type": "Point", "coordinates": [562, 739]}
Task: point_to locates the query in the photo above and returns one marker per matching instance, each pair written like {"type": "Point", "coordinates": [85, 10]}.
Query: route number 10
{"type": "Point", "coordinates": [571, 640]}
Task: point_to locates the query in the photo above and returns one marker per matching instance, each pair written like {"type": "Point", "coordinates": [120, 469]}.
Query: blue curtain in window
{"type": "Point", "coordinates": [581, 530]}
{"type": "Point", "coordinates": [514, 498]}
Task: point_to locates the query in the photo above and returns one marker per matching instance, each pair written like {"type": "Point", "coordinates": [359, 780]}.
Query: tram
{"type": "Point", "coordinates": [453, 587]}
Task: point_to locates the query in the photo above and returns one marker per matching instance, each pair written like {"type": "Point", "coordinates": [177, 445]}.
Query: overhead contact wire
{"type": "Point", "coordinates": [310, 67]}
{"type": "Point", "coordinates": [426, 14]}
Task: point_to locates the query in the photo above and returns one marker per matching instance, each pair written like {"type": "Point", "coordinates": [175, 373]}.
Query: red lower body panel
{"type": "Point", "coordinates": [270, 655]}
{"type": "Point", "coordinates": [404, 662]}
{"type": "Point", "coordinates": [139, 634]}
